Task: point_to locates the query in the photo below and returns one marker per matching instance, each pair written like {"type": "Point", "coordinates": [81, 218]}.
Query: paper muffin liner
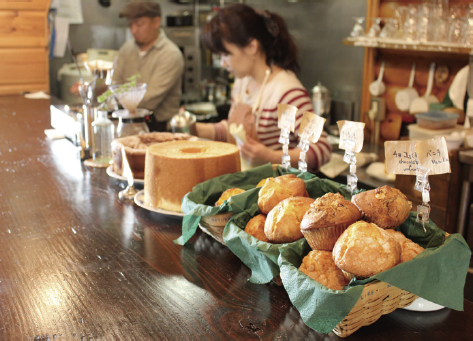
{"type": "Point", "coordinates": [324, 238]}
{"type": "Point", "coordinates": [349, 276]}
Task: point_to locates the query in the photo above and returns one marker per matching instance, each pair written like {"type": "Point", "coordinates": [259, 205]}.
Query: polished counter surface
{"type": "Point", "coordinates": [75, 262]}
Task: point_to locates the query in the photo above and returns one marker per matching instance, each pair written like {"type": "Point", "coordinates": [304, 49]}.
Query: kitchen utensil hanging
{"type": "Point", "coordinates": [404, 97]}
{"type": "Point", "coordinates": [421, 104]}
{"type": "Point", "coordinates": [377, 88]}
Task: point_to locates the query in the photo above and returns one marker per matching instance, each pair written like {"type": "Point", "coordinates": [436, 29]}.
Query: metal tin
{"type": "Point", "coordinates": [183, 122]}
{"type": "Point", "coordinates": [321, 100]}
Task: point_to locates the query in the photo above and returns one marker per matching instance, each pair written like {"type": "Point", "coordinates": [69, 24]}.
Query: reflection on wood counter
{"type": "Point", "coordinates": [77, 263]}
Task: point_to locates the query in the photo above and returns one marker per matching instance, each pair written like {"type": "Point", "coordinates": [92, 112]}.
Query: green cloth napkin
{"type": "Point", "coordinates": [320, 308]}
{"type": "Point", "coordinates": [201, 201]}
{"type": "Point", "coordinates": [438, 274]}
{"type": "Point", "coordinates": [259, 256]}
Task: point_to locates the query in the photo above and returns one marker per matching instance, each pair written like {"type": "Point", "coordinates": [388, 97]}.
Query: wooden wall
{"type": "Point", "coordinates": [24, 46]}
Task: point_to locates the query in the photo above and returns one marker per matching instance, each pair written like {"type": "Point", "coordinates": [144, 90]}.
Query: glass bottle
{"type": "Point", "coordinates": [103, 130]}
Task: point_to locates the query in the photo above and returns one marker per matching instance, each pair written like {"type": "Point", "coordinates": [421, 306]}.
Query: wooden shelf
{"type": "Point", "coordinates": [406, 46]}
{"type": "Point", "coordinates": [398, 57]}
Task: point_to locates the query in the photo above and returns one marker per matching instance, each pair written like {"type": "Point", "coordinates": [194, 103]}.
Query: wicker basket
{"type": "Point", "coordinates": [378, 298]}
{"type": "Point", "coordinates": [213, 225]}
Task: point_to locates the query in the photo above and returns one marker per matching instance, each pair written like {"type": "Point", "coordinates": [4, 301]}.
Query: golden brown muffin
{"type": "Point", "coordinates": [262, 182]}
{"type": "Point", "coordinates": [320, 266]}
{"type": "Point", "coordinates": [276, 190]}
{"type": "Point", "coordinates": [409, 249]}
{"type": "Point", "coordinates": [255, 227]}
{"type": "Point", "coordinates": [227, 194]}
{"type": "Point", "coordinates": [385, 206]}
{"type": "Point", "coordinates": [326, 219]}
{"type": "Point", "coordinates": [283, 223]}
{"type": "Point", "coordinates": [364, 250]}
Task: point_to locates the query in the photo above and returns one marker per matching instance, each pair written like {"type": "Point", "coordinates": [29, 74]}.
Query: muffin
{"type": "Point", "coordinates": [283, 223]}
{"type": "Point", "coordinates": [409, 249]}
{"type": "Point", "coordinates": [262, 182]}
{"type": "Point", "coordinates": [255, 227]}
{"type": "Point", "coordinates": [326, 219]}
{"type": "Point", "coordinates": [276, 190]}
{"type": "Point", "coordinates": [364, 250]}
{"type": "Point", "coordinates": [385, 206]}
{"type": "Point", "coordinates": [320, 266]}
{"type": "Point", "coordinates": [227, 194]}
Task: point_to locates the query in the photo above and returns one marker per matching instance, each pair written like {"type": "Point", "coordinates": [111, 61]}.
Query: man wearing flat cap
{"type": "Point", "coordinates": [155, 58]}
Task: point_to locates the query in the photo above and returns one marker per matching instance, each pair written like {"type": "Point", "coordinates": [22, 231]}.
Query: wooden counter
{"type": "Point", "coordinates": [77, 263]}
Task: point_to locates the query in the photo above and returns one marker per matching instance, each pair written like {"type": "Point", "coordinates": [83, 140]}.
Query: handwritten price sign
{"type": "Point", "coordinates": [286, 116]}
{"type": "Point", "coordinates": [433, 154]}
{"type": "Point", "coordinates": [403, 157]}
{"type": "Point", "coordinates": [313, 124]}
{"type": "Point", "coordinates": [351, 135]}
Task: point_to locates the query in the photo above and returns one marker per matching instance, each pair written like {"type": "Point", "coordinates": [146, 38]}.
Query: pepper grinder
{"type": "Point", "coordinates": [89, 116]}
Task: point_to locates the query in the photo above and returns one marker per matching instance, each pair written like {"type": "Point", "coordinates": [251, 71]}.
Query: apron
{"type": "Point", "coordinates": [248, 116]}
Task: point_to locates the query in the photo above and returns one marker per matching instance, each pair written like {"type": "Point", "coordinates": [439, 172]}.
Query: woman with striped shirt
{"type": "Point", "coordinates": [256, 47]}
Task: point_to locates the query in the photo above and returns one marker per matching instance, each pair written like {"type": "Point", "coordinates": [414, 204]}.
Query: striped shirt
{"type": "Point", "coordinates": [283, 88]}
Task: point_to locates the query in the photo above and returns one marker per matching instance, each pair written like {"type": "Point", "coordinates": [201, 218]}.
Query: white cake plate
{"type": "Point", "coordinates": [140, 201]}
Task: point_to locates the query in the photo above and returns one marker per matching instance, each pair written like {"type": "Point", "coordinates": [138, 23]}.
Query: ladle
{"type": "Point", "coordinates": [377, 88]}
{"type": "Point", "coordinates": [404, 97]}
{"type": "Point", "coordinates": [421, 104]}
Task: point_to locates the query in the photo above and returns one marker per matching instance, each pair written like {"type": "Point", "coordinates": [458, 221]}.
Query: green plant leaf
{"type": "Point", "coordinates": [122, 88]}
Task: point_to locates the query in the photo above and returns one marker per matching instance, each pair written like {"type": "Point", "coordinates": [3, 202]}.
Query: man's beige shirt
{"type": "Point", "coordinates": [161, 68]}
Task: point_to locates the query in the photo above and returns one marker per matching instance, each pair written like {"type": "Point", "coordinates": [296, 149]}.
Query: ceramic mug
{"type": "Point", "coordinates": [421, 104]}
{"type": "Point", "coordinates": [377, 88]}
{"type": "Point", "coordinates": [404, 97]}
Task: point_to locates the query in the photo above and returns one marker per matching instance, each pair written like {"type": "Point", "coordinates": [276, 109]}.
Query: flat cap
{"type": "Point", "coordinates": [137, 9]}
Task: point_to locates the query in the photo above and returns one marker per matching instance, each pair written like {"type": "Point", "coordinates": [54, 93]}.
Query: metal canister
{"type": "Point", "coordinates": [321, 100]}
{"type": "Point", "coordinates": [183, 122]}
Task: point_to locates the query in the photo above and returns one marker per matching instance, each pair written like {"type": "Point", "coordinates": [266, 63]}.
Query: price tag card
{"type": "Point", "coordinates": [401, 157]}
{"type": "Point", "coordinates": [433, 154]}
{"type": "Point", "coordinates": [286, 116]}
{"type": "Point", "coordinates": [351, 133]}
{"type": "Point", "coordinates": [312, 123]}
